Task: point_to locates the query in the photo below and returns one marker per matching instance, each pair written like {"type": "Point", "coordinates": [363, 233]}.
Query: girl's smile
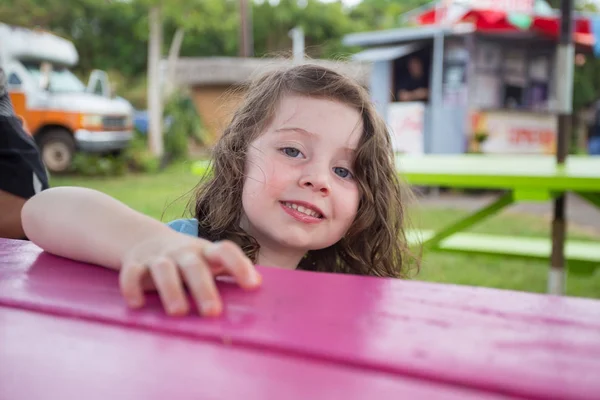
{"type": "Point", "coordinates": [303, 212]}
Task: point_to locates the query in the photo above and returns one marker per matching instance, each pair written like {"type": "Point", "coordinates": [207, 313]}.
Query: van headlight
{"type": "Point", "coordinates": [91, 121]}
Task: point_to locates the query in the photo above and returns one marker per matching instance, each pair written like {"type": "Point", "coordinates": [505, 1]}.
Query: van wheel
{"type": "Point", "coordinates": [115, 153]}
{"type": "Point", "coordinates": [58, 149]}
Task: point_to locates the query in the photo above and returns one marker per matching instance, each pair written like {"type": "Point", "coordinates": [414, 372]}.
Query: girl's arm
{"type": "Point", "coordinates": [90, 226]}
{"type": "Point", "coordinates": [86, 225]}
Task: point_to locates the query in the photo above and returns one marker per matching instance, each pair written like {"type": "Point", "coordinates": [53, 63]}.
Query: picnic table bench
{"type": "Point", "coordinates": [65, 332]}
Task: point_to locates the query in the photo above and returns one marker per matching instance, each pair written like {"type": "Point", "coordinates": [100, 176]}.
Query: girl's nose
{"type": "Point", "coordinates": [317, 182]}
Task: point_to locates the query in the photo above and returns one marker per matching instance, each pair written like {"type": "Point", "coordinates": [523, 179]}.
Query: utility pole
{"type": "Point", "coordinates": [154, 91]}
{"type": "Point", "coordinates": [565, 57]}
{"type": "Point", "coordinates": [246, 39]}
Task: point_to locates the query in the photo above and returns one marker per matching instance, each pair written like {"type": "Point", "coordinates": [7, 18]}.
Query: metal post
{"type": "Point", "coordinates": [435, 104]}
{"type": "Point", "coordinates": [565, 56]}
{"type": "Point", "coordinates": [246, 39]}
{"type": "Point", "coordinates": [297, 36]}
{"type": "Point", "coordinates": [154, 90]}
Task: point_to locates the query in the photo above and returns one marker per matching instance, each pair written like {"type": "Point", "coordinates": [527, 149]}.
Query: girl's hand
{"type": "Point", "coordinates": [168, 261]}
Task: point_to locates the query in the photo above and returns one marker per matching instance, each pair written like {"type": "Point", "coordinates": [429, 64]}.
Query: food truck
{"type": "Point", "coordinates": [486, 81]}
{"type": "Point", "coordinates": [63, 114]}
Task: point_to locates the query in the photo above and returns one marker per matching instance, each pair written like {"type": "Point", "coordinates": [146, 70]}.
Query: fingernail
{"type": "Point", "coordinates": [255, 278]}
{"type": "Point", "coordinates": [210, 250]}
{"type": "Point", "coordinates": [177, 307]}
{"type": "Point", "coordinates": [209, 307]}
{"type": "Point", "coordinates": [135, 303]}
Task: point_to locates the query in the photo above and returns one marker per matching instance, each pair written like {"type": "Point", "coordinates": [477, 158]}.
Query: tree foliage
{"type": "Point", "coordinates": [111, 34]}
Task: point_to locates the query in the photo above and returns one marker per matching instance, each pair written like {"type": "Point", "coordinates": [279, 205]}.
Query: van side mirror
{"type": "Point", "coordinates": [99, 84]}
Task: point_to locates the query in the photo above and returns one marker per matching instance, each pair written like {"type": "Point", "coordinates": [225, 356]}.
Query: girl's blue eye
{"type": "Point", "coordinates": [291, 152]}
{"type": "Point", "coordinates": [342, 172]}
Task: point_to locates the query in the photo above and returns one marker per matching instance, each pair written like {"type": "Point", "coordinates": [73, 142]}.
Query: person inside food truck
{"type": "Point", "coordinates": [22, 172]}
{"type": "Point", "coordinates": [414, 86]}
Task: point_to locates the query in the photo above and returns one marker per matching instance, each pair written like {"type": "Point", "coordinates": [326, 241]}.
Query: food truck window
{"type": "Point", "coordinates": [411, 76]}
{"type": "Point", "coordinates": [513, 96]}
{"type": "Point", "coordinates": [514, 71]}
{"type": "Point", "coordinates": [487, 83]}
{"type": "Point", "coordinates": [511, 76]}
{"type": "Point", "coordinates": [539, 78]}
{"type": "Point", "coordinates": [526, 77]}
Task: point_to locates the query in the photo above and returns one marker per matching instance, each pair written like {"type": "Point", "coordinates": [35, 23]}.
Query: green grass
{"type": "Point", "coordinates": [165, 195]}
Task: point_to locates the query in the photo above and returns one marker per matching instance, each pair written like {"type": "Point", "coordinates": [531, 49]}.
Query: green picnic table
{"type": "Point", "coordinates": [520, 178]}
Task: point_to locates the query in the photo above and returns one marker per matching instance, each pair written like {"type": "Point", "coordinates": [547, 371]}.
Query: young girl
{"type": "Point", "coordinates": [302, 178]}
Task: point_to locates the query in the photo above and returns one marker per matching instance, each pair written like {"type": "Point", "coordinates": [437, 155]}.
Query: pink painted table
{"type": "Point", "coordinates": [65, 332]}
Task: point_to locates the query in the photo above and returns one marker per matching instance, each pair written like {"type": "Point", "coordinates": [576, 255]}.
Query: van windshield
{"type": "Point", "coordinates": [61, 79]}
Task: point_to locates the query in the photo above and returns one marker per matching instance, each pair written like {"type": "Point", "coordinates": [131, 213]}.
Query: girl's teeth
{"type": "Point", "coordinates": [303, 210]}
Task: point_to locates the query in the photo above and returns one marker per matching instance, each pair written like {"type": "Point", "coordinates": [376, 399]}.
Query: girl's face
{"type": "Point", "coordinates": [300, 193]}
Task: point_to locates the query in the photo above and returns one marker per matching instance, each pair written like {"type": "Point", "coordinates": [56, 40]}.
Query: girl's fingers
{"type": "Point", "coordinates": [231, 258]}
{"type": "Point", "coordinates": [130, 280]}
{"type": "Point", "coordinates": [200, 283]}
{"type": "Point", "coordinates": [197, 269]}
{"type": "Point", "coordinates": [170, 288]}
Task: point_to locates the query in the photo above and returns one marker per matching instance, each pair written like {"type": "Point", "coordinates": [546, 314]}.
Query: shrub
{"type": "Point", "coordinates": [183, 124]}
{"type": "Point", "coordinates": [98, 165]}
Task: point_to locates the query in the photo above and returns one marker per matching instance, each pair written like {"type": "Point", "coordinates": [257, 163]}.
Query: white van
{"type": "Point", "coordinates": [63, 114]}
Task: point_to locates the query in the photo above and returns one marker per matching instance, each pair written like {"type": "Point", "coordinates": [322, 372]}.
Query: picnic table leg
{"type": "Point", "coordinates": [503, 201]}
{"type": "Point", "coordinates": [556, 274]}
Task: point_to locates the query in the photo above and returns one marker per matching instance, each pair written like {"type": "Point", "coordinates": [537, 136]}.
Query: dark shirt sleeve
{"type": "Point", "coordinates": [22, 171]}
{"type": "Point", "coordinates": [410, 84]}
